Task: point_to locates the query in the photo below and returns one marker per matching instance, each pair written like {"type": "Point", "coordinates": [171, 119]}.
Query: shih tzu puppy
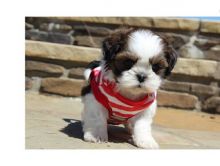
{"type": "Point", "coordinates": [122, 87]}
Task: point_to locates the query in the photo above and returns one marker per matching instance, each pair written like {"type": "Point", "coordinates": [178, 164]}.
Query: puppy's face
{"type": "Point", "coordinates": [138, 59]}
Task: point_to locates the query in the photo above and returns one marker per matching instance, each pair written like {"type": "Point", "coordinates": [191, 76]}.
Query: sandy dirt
{"type": "Point", "coordinates": [184, 119]}
{"type": "Point", "coordinates": [54, 123]}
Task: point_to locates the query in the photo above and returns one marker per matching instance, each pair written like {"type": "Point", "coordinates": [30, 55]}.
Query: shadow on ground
{"type": "Point", "coordinates": [117, 134]}
{"type": "Point", "coordinates": [73, 129]}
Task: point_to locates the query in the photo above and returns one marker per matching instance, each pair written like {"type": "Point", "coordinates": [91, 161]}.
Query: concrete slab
{"type": "Point", "coordinates": [54, 123]}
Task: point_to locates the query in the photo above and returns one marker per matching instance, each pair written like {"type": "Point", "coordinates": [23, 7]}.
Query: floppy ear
{"type": "Point", "coordinates": [110, 48]}
{"type": "Point", "coordinates": [115, 43]}
{"type": "Point", "coordinates": [170, 54]}
{"type": "Point", "coordinates": [171, 57]}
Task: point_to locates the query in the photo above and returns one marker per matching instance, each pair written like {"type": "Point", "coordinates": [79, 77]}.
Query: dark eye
{"type": "Point", "coordinates": [124, 63]}
{"type": "Point", "coordinates": [128, 63]}
{"type": "Point", "coordinates": [156, 67]}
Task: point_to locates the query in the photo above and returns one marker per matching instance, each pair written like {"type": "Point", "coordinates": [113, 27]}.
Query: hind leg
{"type": "Point", "coordinates": [94, 117]}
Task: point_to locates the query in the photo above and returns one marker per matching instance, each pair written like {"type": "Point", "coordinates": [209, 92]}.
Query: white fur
{"type": "Point", "coordinates": [129, 79]}
{"type": "Point", "coordinates": [94, 119]}
{"type": "Point", "coordinates": [145, 45]}
{"type": "Point", "coordinates": [141, 128]}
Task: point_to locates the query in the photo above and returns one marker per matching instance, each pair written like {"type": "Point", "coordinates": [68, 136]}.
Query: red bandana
{"type": "Point", "coordinates": [120, 108]}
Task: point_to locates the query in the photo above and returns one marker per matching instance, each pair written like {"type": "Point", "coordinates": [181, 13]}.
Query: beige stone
{"type": "Point", "coordinates": [91, 30]}
{"type": "Point", "coordinates": [216, 74]}
{"type": "Point", "coordinates": [176, 99]}
{"type": "Point", "coordinates": [28, 26]}
{"type": "Point", "coordinates": [89, 41]}
{"type": "Point", "coordinates": [212, 55]}
{"type": "Point", "coordinates": [75, 54]}
{"type": "Point", "coordinates": [84, 55]}
{"type": "Point", "coordinates": [132, 21]}
{"type": "Point", "coordinates": [176, 23]}
{"type": "Point", "coordinates": [176, 86]}
{"type": "Point", "coordinates": [176, 40]}
{"type": "Point", "coordinates": [204, 90]}
{"type": "Point", "coordinates": [201, 68]}
{"type": "Point", "coordinates": [55, 27]}
{"type": "Point", "coordinates": [35, 68]}
{"type": "Point", "coordinates": [77, 73]}
{"type": "Point", "coordinates": [206, 43]}
{"type": "Point", "coordinates": [216, 48]}
{"type": "Point", "coordinates": [212, 104]}
{"type": "Point", "coordinates": [200, 90]}
{"type": "Point", "coordinates": [191, 51]}
{"type": "Point", "coordinates": [210, 27]}
{"type": "Point", "coordinates": [53, 37]}
{"type": "Point", "coordinates": [64, 87]}
{"type": "Point", "coordinates": [156, 22]}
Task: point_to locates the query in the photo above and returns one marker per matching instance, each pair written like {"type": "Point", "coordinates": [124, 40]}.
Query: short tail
{"type": "Point", "coordinates": [87, 73]}
{"type": "Point", "coordinates": [89, 68]}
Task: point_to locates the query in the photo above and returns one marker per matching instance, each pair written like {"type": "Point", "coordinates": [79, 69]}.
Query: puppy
{"type": "Point", "coordinates": [122, 86]}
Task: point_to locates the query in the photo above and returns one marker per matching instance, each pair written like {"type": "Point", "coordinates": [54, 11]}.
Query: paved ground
{"type": "Point", "coordinates": [54, 123]}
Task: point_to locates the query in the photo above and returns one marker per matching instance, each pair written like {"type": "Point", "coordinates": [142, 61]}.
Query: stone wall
{"type": "Point", "coordinates": [57, 50]}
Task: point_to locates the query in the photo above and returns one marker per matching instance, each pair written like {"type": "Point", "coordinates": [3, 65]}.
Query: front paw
{"type": "Point", "coordinates": [146, 142]}
{"type": "Point", "coordinates": [96, 136]}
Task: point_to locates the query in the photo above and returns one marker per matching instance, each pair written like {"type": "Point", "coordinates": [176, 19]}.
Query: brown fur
{"type": "Point", "coordinates": [116, 44]}
{"type": "Point", "coordinates": [118, 59]}
{"type": "Point", "coordinates": [169, 53]}
{"type": "Point", "coordinates": [159, 64]}
{"type": "Point", "coordinates": [123, 61]}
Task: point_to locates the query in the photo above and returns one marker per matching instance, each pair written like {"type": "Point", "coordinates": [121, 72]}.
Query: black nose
{"type": "Point", "coordinates": [141, 77]}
